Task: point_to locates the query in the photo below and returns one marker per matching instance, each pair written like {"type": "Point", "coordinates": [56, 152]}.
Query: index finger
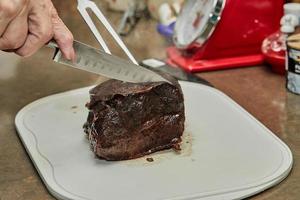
{"type": "Point", "coordinates": [64, 38]}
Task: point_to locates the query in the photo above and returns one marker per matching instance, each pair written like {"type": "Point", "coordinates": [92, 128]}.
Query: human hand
{"type": "Point", "coordinates": [27, 25]}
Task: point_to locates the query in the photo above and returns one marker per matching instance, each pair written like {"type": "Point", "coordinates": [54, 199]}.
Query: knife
{"type": "Point", "coordinates": [96, 61]}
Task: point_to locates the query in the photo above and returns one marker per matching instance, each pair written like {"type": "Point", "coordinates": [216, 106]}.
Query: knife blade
{"type": "Point", "coordinates": [96, 61]}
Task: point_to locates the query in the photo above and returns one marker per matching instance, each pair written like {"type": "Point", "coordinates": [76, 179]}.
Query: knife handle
{"type": "Point", "coordinates": [52, 44]}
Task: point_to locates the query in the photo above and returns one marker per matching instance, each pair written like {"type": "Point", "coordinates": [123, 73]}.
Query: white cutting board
{"type": "Point", "coordinates": [227, 153]}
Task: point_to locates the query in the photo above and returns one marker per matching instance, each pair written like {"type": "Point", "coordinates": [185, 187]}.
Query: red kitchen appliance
{"type": "Point", "coordinates": [221, 34]}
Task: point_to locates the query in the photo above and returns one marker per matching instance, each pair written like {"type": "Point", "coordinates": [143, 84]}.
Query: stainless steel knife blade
{"type": "Point", "coordinates": [96, 61]}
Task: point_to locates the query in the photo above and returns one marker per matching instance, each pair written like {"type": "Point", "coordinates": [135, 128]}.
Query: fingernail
{"type": "Point", "coordinates": [74, 59]}
{"type": "Point", "coordinates": [67, 56]}
{"type": "Point", "coordinates": [70, 55]}
{"type": "Point", "coordinates": [73, 56]}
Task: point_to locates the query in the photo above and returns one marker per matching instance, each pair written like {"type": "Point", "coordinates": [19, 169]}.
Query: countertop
{"type": "Point", "coordinates": [23, 80]}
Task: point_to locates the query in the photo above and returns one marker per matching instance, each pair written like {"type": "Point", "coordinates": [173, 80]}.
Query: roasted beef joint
{"type": "Point", "coordinates": [130, 120]}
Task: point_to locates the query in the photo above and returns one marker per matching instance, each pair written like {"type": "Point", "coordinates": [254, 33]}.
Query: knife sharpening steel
{"type": "Point", "coordinates": [220, 34]}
